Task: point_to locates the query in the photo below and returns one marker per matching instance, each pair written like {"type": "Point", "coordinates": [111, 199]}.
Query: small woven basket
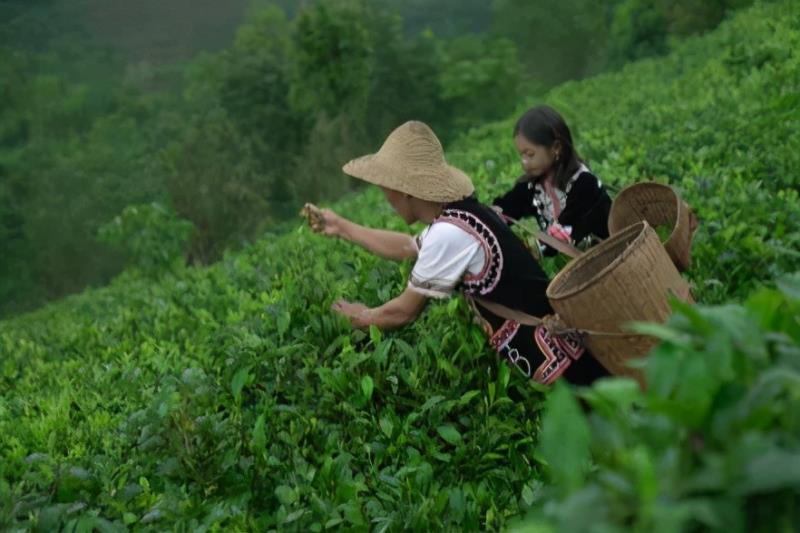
{"type": "Point", "coordinates": [659, 205]}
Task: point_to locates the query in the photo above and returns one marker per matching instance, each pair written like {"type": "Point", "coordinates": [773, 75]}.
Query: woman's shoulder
{"type": "Point", "coordinates": [446, 231]}
{"type": "Point", "coordinates": [586, 173]}
{"type": "Point", "coordinates": [584, 180]}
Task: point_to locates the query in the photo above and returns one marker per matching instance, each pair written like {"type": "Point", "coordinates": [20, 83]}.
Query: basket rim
{"type": "Point", "coordinates": [653, 185]}
{"type": "Point", "coordinates": [638, 228]}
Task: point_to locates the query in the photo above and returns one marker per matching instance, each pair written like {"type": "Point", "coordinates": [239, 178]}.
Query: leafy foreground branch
{"type": "Point", "coordinates": [714, 444]}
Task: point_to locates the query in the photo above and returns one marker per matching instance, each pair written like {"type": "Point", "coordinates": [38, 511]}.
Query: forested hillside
{"type": "Point", "coordinates": [233, 114]}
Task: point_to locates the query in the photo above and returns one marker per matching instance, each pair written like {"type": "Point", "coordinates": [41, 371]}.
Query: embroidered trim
{"type": "Point", "coordinates": [485, 281]}
{"type": "Point", "coordinates": [558, 351]}
{"type": "Point", "coordinates": [503, 335]}
{"type": "Point", "coordinates": [543, 203]}
{"type": "Point", "coordinates": [583, 168]}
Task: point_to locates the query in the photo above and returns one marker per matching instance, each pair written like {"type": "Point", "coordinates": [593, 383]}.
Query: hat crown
{"type": "Point", "coordinates": [412, 161]}
{"type": "Point", "coordinates": [414, 146]}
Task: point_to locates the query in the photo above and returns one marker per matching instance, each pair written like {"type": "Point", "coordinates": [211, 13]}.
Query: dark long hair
{"type": "Point", "coordinates": [543, 125]}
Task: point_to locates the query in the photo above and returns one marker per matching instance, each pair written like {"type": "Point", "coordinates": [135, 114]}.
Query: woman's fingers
{"type": "Point", "coordinates": [560, 232]}
{"type": "Point", "coordinates": [322, 221]}
{"type": "Point", "coordinates": [348, 308]}
{"type": "Point", "coordinates": [314, 216]}
{"type": "Point", "coordinates": [353, 311]}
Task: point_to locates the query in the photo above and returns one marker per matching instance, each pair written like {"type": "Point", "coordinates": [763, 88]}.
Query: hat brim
{"type": "Point", "coordinates": [450, 184]}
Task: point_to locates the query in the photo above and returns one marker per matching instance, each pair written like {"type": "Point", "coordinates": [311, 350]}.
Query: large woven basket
{"type": "Point", "coordinates": [628, 277]}
{"type": "Point", "coordinates": [659, 205]}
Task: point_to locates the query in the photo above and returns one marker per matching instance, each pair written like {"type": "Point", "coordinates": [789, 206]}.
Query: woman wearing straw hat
{"type": "Point", "coordinates": [465, 247]}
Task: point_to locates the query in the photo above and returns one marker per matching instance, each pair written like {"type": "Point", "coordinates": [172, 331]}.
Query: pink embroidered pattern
{"type": "Point", "coordinates": [499, 341]}
{"type": "Point", "coordinates": [485, 281]}
{"type": "Point", "coordinates": [559, 352]}
{"type": "Point", "coordinates": [503, 335]}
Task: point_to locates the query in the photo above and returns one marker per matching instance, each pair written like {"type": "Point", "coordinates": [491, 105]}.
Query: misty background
{"type": "Point", "coordinates": [215, 120]}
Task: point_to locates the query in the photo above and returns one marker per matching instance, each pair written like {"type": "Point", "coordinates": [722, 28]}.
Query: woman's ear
{"type": "Point", "coordinates": [556, 148]}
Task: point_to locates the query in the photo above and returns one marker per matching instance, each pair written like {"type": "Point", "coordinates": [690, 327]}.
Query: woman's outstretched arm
{"type": "Point", "coordinates": [383, 243]}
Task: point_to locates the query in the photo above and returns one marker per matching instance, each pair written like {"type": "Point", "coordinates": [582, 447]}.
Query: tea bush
{"type": "Point", "coordinates": [152, 235]}
{"type": "Point", "coordinates": [231, 398]}
{"type": "Point", "coordinates": [714, 443]}
{"type": "Point", "coordinates": [717, 119]}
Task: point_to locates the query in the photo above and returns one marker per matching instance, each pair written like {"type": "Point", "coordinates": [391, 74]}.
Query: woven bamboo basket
{"type": "Point", "coordinates": [628, 277]}
{"type": "Point", "coordinates": [659, 205]}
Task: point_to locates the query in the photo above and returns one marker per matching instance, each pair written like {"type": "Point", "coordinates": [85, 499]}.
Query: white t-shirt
{"type": "Point", "coordinates": [445, 254]}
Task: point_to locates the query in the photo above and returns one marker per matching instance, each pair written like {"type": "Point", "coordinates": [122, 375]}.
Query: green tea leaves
{"type": "Point", "coordinates": [239, 380]}
{"type": "Point", "coordinates": [564, 443]}
{"type": "Point", "coordinates": [367, 386]}
{"type": "Point", "coordinates": [449, 434]}
{"type": "Point", "coordinates": [258, 441]}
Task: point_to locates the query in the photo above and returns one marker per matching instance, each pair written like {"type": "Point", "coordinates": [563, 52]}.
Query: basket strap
{"type": "Point", "coordinates": [509, 314]}
{"type": "Point", "coordinates": [529, 320]}
{"type": "Point", "coordinates": [557, 244]}
{"type": "Point", "coordinates": [563, 247]}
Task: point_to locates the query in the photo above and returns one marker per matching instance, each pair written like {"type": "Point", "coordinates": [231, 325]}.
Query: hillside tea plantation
{"type": "Point", "coordinates": [230, 398]}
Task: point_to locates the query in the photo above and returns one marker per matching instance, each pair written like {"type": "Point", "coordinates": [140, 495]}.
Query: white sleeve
{"type": "Point", "coordinates": [446, 253]}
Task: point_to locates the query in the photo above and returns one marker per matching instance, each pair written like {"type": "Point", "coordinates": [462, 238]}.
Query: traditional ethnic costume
{"type": "Point", "coordinates": [470, 248]}
{"type": "Point", "coordinates": [580, 211]}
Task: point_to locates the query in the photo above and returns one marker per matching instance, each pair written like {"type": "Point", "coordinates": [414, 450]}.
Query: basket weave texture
{"type": "Point", "coordinates": [658, 204]}
{"type": "Point", "coordinates": [628, 277]}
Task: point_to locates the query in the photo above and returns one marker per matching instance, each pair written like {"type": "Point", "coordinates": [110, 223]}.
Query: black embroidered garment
{"type": "Point", "coordinates": [512, 277]}
{"type": "Point", "coordinates": [583, 206]}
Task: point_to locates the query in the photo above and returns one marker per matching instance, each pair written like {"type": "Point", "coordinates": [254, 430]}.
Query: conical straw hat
{"type": "Point", "coordinates": [412, 161]}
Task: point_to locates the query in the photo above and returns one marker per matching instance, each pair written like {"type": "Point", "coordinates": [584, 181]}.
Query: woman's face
{"type": "Point", "coordinates": [401, 203]}
{"type": "Point", "coordinates": [537, 160]}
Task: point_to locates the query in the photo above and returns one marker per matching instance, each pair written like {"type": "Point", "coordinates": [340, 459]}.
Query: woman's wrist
{"type": "Point", "coordinates": [344, 228]}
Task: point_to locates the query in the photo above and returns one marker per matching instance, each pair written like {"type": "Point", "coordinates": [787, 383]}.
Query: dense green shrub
{"type": "Point", "coordinates": [152, 235]}
{"type": "Point", "coordinates": [717, 120]}
{"type": "Point", "coordinates": [714, 443]}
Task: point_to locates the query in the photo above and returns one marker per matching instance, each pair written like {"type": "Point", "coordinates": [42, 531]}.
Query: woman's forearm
{"type": "Point", "coordinates": [386, 317]}
{"type": "Point", "coordinates": [384, 243]}
{"type": "Point", "coordinates": [395, 313]}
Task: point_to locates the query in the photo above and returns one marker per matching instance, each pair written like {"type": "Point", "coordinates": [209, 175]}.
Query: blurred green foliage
{"type": "Point", "coordinates": [152, 236]}
{"type": "Point", "coordinates": [254, 130]}
{"type": "Point", "coordinates": [712, 445]}
{"type": "Point", "coordinates": [235, 140]}
{"type": "Point", "coordinates": [560, 40]}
